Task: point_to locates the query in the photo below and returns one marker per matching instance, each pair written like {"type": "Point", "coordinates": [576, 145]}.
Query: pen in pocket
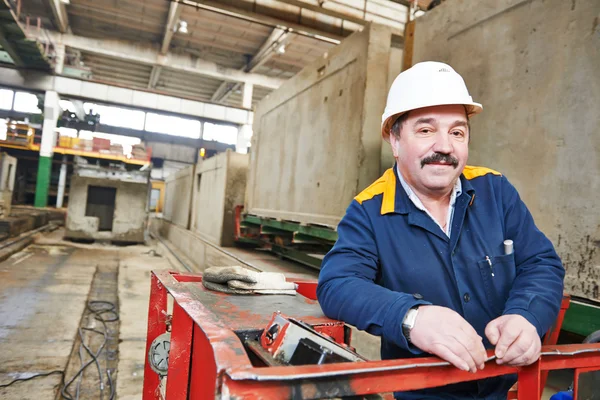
{"type": "Point", "coordinates": [489, 260]}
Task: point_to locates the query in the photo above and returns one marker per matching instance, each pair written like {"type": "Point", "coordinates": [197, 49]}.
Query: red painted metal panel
{"type": "Point", "coordinates": [220, 363]}
{"type": "Point", "coordinates": [156, 326]}
{"type": "Point", "coordinates": [529, 382]}
{"type": "Point", "coordinates": [552, 336]}
{"type": "Point", "coordinates": [204, 369]}
{"type": "Point", "coordinates": [306, 288]}
{"type": "Point", "coordinates": [179, 355]}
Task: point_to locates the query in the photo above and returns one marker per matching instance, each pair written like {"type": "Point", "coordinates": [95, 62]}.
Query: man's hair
{"type": "Point", "coordinates": [397, 125]}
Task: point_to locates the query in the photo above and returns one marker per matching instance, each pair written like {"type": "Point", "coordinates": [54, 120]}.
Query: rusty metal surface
{"type": "Point", "coordinates": [253, 311]}
{"type": "Point", "coordinates": [221, 364]}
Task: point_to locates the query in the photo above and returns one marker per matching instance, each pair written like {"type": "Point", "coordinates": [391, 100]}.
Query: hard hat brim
{"type": "Point", "coordinates": [471, 108]}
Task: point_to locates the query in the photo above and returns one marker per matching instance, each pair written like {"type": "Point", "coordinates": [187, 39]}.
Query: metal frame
{"type": "Point", "coordinates": [208, 358]}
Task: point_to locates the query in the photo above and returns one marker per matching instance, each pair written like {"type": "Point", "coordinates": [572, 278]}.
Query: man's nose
{"type": "Point", "coordinates": [442, 144]}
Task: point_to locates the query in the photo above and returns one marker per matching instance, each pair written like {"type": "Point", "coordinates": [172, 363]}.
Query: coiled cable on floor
{"type": "Point", "coordinates": [99, 309]}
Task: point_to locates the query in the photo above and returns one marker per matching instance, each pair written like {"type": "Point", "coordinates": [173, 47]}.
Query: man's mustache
{"type": "Point", "coordinates": [440, 157]}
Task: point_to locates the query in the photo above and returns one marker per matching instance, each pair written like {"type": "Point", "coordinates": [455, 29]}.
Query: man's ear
{"type": "Point", "coordinates": [394, 142]}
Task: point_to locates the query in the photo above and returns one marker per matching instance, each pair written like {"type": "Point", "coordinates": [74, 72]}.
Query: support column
{"type": "Point", "coordinates": [59, 59]}
{"type": "Point", "coordinates": [62, 181]}
{"type": "Point", "coordinates": [245, 131]}
{"type": "Point", "coordinates": [51, 113]}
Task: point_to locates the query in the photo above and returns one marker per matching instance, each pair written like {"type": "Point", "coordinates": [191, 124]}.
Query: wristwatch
{"type": "Point", "coordinates": [409, 322]}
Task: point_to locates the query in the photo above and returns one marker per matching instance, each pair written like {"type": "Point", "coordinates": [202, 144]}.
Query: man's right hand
{"type": "Point", "coordinates": [443, 332]}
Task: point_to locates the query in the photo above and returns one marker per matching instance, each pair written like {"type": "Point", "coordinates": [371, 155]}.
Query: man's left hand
{"type": "Point", "coordinates": [516, 340]}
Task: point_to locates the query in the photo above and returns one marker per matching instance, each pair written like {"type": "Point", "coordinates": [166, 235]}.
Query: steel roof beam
{"type": "Point", "coordinates": [171, 26]}
{"type": "Point", "coordinates": [148, 55]}
{"type": "Point", "coordinates": [278, 37]}
{"type": "Point", "coordinates": [237, 11]}
{"type": "Point", "coordinates": [61, 17]}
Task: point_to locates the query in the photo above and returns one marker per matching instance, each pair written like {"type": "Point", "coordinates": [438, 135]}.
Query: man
{"type": "Point", "coordinates": [420, 258]}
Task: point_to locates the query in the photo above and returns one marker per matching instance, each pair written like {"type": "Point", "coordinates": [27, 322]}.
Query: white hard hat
{"type": "Point", "coordinates": [425, 84]}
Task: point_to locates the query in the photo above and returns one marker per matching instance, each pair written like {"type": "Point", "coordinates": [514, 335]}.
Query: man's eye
{"type": "Point", "coordinates": [425, 130]}
{"type": "Point", "coordinates": [458, 133]}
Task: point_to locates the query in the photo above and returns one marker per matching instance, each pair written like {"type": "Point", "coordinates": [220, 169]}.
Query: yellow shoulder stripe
{"type": "Point", "coordinates": [471, 172]}
{"type": "Point", "coordinates": [385, 185]}
{"type": "Point", "coordinates": [377, 187]}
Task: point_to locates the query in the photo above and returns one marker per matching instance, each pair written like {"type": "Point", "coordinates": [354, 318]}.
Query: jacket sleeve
{"type": "Point", "coordinates": [347, 290]}
{"type": "Point", "coordinates": [537, 290]}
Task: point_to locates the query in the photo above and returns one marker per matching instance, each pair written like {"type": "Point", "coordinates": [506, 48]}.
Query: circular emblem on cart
{"type": "Point", "coordinates": [158, 355]}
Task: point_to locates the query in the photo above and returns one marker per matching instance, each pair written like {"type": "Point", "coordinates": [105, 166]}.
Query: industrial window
{"type": "Point", "coordinates": [170, 125]}
{"type": "Point", "coordinates": [117, 116]}
{"type": "Point", "coordinates": [27, 103]}
{"type": "Point", "coordinates": [220, 133]}
{"type": "Point", "coordinates": [6, 99]}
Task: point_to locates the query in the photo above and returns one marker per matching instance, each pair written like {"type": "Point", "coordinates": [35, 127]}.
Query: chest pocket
{"type": "Point", "coordinates": [498, 274]}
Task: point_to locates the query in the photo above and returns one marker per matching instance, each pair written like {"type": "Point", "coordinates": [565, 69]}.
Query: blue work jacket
{"type": "Point", "coordinates": [391, 256]}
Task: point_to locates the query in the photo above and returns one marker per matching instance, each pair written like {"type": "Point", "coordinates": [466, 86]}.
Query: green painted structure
{"type": "Point", "coordinates": [43, 181]}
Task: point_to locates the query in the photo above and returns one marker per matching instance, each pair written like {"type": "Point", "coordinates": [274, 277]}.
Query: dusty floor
{"type": "Point", "coordinates": [43, 293]}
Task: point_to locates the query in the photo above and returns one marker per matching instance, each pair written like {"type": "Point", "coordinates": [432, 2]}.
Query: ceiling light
{"type": "Point", "coordinates": [183, 27]}
{"type": "Point", "coordinates": [281, 49]}
{"type": "Point", "coordinates": [65, 1]}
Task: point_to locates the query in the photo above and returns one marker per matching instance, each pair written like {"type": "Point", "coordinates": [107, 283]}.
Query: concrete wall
{"type": "Point", "coordinates": [219, 186]}
{"type": "Point", "coordinates": [317, 139]}
{"type": "Point", "coordinates": [130, 217]}
{"type": "Point", "coordinates": [8, 170]}
{"type": "Point", "coordinates": [534, 65]}
{"type": "Point", "coordinates": [178, 195]}
{"type": "Point", "coordinates": [168, 168]}
{"type": "Point", "coordinates": [173, 152]}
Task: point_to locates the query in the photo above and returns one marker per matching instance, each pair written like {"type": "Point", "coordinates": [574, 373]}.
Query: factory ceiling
{"type": "Point", "coordinates": [200, 49]}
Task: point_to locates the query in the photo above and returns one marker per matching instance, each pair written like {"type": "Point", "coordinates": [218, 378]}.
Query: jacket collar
{"type": "Point", "coordinates": [395, 199]}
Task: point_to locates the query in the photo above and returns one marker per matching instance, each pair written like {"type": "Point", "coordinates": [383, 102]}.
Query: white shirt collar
{"type": "Point", "coordinates": [419, 204]}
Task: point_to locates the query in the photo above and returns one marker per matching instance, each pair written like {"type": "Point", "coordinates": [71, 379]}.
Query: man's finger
{"type": "Point", "coordinates": [508, 335]}
{"type": "Point", "coordinates": [445, 353]}
{"type": "Point", "coordinates": [474, 346]}
{"type": "Point", "coordinates": [530, 356]}
{"type": "Point", "coordinates": [519, 347]}
{"type": "Point", "coordinates": [462, 351]}
{"type": "Point", "coordinates": [492, 331]}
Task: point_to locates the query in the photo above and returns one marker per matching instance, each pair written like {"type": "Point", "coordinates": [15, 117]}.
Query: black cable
{"type": "Point", "coordinates": [97, 308]}
{"type": "Point", "coordinates": [33, 377]}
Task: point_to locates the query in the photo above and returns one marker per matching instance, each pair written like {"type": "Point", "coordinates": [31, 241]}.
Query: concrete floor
{"type": "Point", "coordinates": [43, 292]}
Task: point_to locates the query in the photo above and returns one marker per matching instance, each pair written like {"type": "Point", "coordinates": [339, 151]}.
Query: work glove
{"type": "Point", "coordinates": [238, 280]}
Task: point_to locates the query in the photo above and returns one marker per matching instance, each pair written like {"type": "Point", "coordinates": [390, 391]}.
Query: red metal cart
{"type": "Point", "coordinates": [208, 358]}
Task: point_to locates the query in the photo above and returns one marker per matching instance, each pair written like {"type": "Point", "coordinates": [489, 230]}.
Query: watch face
{"type": "Point", "coordinates": [158, 355]}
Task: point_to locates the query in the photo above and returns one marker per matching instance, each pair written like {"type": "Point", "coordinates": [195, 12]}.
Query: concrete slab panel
{"type": "Point", "coordinates": [214, 111]}
{"type": "Point", "coordinates": [236, 115]}
{"type": "Point", "coordinates": [94, 91]}
{"type": "Point", "coordinates": [70, 86]}
{"type": "Point", "coordinates": [316, 140]}
{"type": "Point", "coordinates": [178, 196]}
{"type": "Point", "coordinates": [169, 103]}
{"type": "Point", "coordinates": [143, 99]}
{"type": "Point", "coordinates": [220, 185]}
{"type": "Point", "coordinates": [124, 95]}
{"type": "Point", "coordinates": [534, 67]}
{"type": "Point", "coordinates": [192, 107]}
